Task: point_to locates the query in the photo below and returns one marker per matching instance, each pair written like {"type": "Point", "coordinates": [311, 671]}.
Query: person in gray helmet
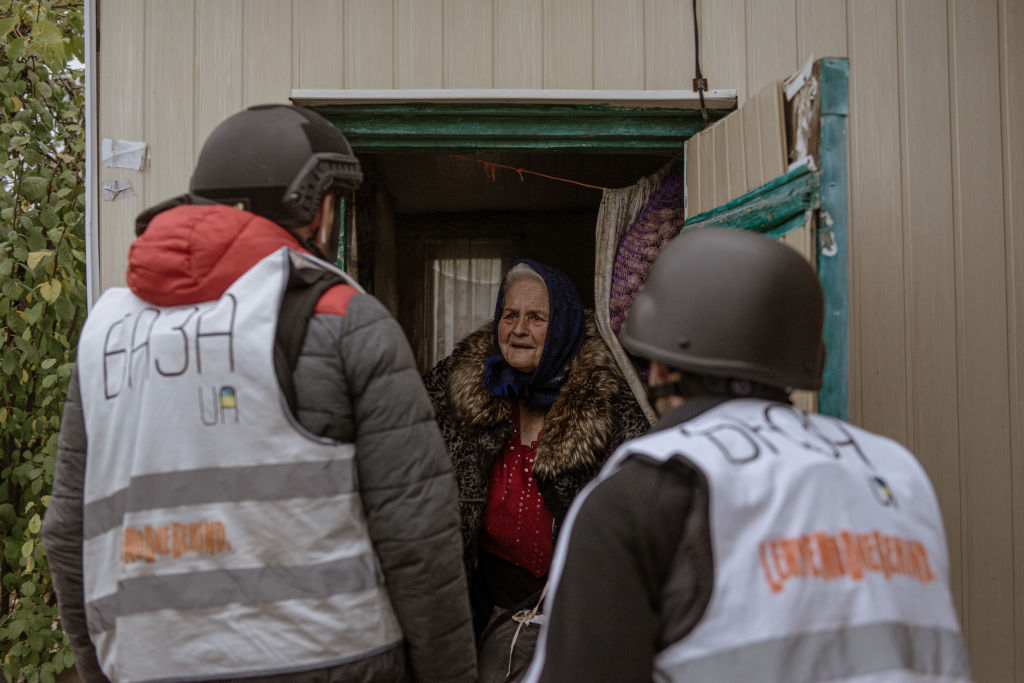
{"type": "Point", "coordinates": [743, 539]}
{"type": "Point", "coordinates": [250, 484]}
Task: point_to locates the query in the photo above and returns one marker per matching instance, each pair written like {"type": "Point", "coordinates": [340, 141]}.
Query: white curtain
{"type": "Point", "coordinates": [462, 283]}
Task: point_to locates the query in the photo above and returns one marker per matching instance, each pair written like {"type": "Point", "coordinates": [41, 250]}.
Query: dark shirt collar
{"type": "Point", "coordinates": [689, 410]}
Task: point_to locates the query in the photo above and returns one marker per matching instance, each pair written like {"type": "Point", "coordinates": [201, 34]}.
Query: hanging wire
{"type": "Point", "coordinates": [700, 84]}
{"type": "Point", "coordinates": [490, 166]}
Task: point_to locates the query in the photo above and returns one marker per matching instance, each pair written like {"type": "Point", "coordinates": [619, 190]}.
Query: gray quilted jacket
{"type": "Point", "coordinates": [355, 381]}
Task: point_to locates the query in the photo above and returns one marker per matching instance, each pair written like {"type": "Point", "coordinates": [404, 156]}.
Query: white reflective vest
{"type": "Point", "coordinates": [830, 560]}
{"type": "Point", "coordinates": [220, 538]}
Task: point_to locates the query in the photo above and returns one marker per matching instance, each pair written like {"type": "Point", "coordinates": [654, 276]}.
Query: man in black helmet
{"type": "Point", "coordinates": [743, 539]}
{"type": "Point", "coordinates": [250, 483]}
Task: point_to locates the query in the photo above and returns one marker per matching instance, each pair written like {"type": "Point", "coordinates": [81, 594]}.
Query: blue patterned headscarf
{"type": "Point", "coordinates": [539, 389]}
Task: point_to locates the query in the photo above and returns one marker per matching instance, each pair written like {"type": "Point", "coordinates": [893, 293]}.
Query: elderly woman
{"type": "Point", "coordinates": [530, 407]}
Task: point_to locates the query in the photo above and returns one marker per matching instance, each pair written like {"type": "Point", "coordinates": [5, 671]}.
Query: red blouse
{"type": "Point", "coordinates": [517, 522]}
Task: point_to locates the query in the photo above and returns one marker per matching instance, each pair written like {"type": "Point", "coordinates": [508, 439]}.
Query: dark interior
{"type": "Point", "coordinates": [410, 201]}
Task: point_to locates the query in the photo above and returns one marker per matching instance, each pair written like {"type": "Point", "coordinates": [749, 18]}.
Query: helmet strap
{"type": "Point", "coordinates": [665, 390]}
{"type": "Point", "coordinates": [690, 386]}
{"type": "Point", "coordinates": [311, 246]}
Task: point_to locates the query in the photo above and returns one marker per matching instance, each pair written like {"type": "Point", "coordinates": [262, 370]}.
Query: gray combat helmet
{"type": "Point", "coordinates": [729, 303]}
{"type": "Point", "coordinates": [277, 161]}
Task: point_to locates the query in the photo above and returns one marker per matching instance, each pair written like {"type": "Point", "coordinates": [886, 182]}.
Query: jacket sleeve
{"type": "Point", "coordinates": [62, 534]}
{"type": "Point", "coordinates": [616, 603]}
{"type": "Point", "coordinates": [409, 494]}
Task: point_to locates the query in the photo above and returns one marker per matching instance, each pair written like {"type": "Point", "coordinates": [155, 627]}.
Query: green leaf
{"type": "Point", "coordinates": [33, 188]}
{"type": "Point", "coordinates": [35, 523]}
{"type": "Point", "coordinates": [48, 363]}
{"type": "Point", "coordinates": [36, 312]}
{"type": "Point", "coordinates": [27, 548]}
{"type": "Point", "coordinates": [16, 50]}
{"type": "Point", "coordinates": [6, 26]}
{"type": "Point", "coordinates": [28, 589]}
{"type": "Point", "coordinates": [44, 90]}
{"type": "Point", "coordinates": [11, 289]}
{"type": "Point", "coordinates": [49, 218]}
{"type": "Point", "coordinates": [47, 36]}
{"type": "Point", "coordinates": [36, 239]}
{"type": "Point", "coordinates": [16, 628]}
{"type": "Point", "coordinates": [7, 515]}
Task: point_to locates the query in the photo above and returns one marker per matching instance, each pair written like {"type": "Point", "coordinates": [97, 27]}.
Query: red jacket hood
{"type": "Point", "coordinates": [194, 252]}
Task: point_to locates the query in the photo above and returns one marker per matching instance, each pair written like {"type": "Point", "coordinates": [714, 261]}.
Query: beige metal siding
{"type": "Point", "coordinates": [738, 153]}
{"type": "Point", "coordinates": [937, 240]}
{"type": "Point", "coordinates": [936, 185]}
{"type": "Point", "coordinates": [121, 99]}
{"type": "Point", "coordinates": [419, 26]}
{"type": "Point", "coordinates": [517, 43]}
{"type": "Point", "coordinates": [1011, 49]}
{"type": "Point", "coordinates": [468, 52]}
{"type": "Point", "coordinates": [981, 329]}
{"type": "Point", "coordinates": [876, 214]}
{"type": "Point", "coordinates": [927, 231]}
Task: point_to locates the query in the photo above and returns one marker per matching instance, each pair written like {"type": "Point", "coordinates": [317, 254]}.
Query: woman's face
{"type": "Point", "coordinates": [524, 324]}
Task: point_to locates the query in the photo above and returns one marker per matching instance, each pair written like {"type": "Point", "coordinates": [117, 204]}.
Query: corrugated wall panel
{"type": "Point", "coordinates": [771, 41]}
{"type": "Point", "coordinates": [170, 58]}
{"type": "Point", "coordinates": [468, 44]}
{"type": "Point", "coordinates": [878, 339]}
{"type": "Point", "coordinates": [739, 153]}
{"type": "Point", "coordinates": [568, 44]}
{"type": "Point", "coordinates": [723, 46]}
{"type": "Point", "coordinates": [419, 49]}
{"type": "Point", "coordinates": [718, 136]}
{"type": "Point", "coordinates": [693, 151]}
{"type": "Point", "coordinates": [755, 167]}
{"type": "Point", "coordinates": [318, 43]}
{"type": "Point", "coordinates": [668, 45]}
{"type": "Point", "coordinates": [122, 106]}
{"type": "Point", "coordinates": [219, 55]}
{"type": "Point", "coordinates": [930, 353]}
{"type": "Point", "coordinates": [821, 29]}
{"type": "Point", "coordinates": [368, 37]}
{"type": "Point", "coordinates": [518, 43]}
{"type": "Point", "coordinates": [1012, 72]}
{"type": "Point", "coordinates": [736, 162]}
{"type": "Point", "coordinates": [981, 336]}
{"type": "Point", "coordinates": [619, 44]}
{"type": "Point", "coordinates": [267, 51]}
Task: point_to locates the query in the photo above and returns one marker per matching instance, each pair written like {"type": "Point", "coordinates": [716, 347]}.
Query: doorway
{"type": "Point", "coordinates": [434, 233]}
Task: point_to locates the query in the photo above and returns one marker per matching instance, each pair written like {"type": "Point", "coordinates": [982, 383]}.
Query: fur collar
{"type": "Point", "coordinates": [577, 427]}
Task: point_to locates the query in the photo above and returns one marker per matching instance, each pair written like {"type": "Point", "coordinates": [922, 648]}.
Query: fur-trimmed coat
{"type": "Point", "coordinates": [594, 413]}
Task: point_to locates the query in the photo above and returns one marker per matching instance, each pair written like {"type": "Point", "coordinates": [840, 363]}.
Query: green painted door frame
{"type": "Point", "coordinates": [783, 204]}
{"type": "Point", "coordinates": [775, 208]}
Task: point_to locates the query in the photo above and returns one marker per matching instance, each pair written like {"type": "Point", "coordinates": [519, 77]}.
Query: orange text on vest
{"type": "Point", "coordinates": [204, 538]}
{"type": "Point", "coordinates": [833, 556]}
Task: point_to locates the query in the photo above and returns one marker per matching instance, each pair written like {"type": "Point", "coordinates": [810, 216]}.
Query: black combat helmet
{"type": "Point", "coordinates": [729, 303]}
{"type": "Point", "coordinates": [276, 161]}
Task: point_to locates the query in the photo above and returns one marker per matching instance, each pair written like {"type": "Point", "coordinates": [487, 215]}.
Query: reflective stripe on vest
{"type": "Point", "coordinates": [220, 538]}
{"type": "Point", "coordinates": [830, 559]}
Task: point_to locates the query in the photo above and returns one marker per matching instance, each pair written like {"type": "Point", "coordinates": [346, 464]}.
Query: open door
{"type": "Point", "coordinates": [459, 184]}
{"type": "Point", "coordinates": [777, 166]}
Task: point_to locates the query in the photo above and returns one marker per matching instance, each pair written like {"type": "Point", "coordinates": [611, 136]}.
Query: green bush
{"type": "Point", "coordinates": [42, 305]}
